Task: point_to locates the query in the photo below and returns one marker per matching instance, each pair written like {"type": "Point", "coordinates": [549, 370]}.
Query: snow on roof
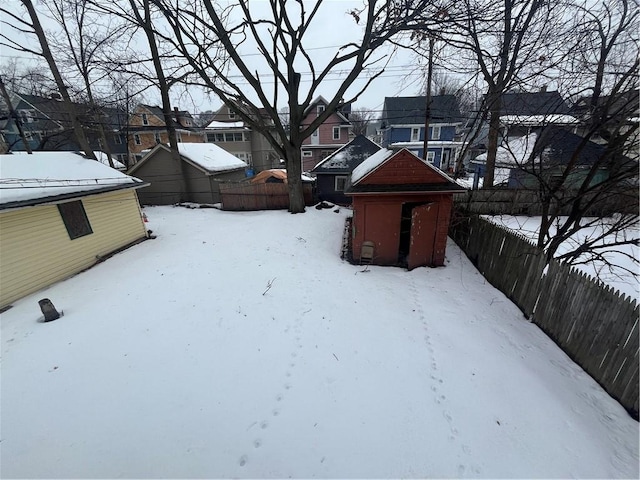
{"type": "Point", "coordinates": [210, 156]}
{"type": "Point", "coordinates": [39, 175]}
{"type": "Point", "coordinates": [217, 124]}
{"type": "Point", "coordinates": [536, 120]}
{"type": "Point", "coordinates": [370, 164]}
{"type": "Point", "coordinates": [103, 158]}
{"type": "Point", "coordinates": [516, 152]}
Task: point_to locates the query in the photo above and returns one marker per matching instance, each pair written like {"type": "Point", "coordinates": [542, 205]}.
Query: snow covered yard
{"type": "Point", "coordinates": [174, 359]}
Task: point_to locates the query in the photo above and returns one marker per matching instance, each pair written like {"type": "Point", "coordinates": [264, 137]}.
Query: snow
{"type": "Point", "coordinates": [174, 359]}
{"type": "Point", "coordinates": [619, 275]}
{"type": "Point", "coordinates": [538, 120]}
{"type": "Point", "coordinates": [224, 125]}
{"type": "Point", "coordinates": [210, 156]}
{"type": "Point", "coordinates": [45, 174]}
{"type": "Point", "coordinates": [103, 158]}
{"type": "Point", "coordinates": [515, 151]}
{"type": "Point", "coordinates": [370, 164]}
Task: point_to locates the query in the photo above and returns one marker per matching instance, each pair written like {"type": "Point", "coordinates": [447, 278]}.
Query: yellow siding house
{"type": "Point", "coordinates": [60, 213]}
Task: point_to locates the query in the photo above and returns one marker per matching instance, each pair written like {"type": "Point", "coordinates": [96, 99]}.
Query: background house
{"type": "Point", "coordinates": [403, 121]}
{"type": "Point", "coordinates": [147, 128]}
{"type": "Point", "coordinates": [196, 179]}
{"type": "Point", "coordinates": [332, 134]}
{"type": "Point", "coordinates": [332, 173]}
{"type": "Point", "coordinates": [60, 213]}
{"type": "Point", "coordinates": [229, 132]}
{"type": "Point", "coordinates": [47, 126]}
{"type": "Point", "coordinates": [401, 210]}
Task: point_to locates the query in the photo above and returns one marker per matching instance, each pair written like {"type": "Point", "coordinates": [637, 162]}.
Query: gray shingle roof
{"type": "Point", "coordinates": [533, 103]}
{"type": "Point", "coordinates": [411, 110]}
{"type": "Point", "coordinates": [348, 157]}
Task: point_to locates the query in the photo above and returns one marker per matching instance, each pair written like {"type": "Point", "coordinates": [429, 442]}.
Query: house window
{"type": "Point", "coordinates": [187, 122]}
{"type": "Point", "coordinates": [307, 153]}
{"type": "Point", "coordinates": [415, 134]}
{"type": "Point", "coordinates": [27, 135]}
{"type": "Point", "coordinates": [232, 115]}
{"type": "Point", "coordinates": [145, 119]}
{"type": "Point", "coordinates": [324, 154]}
{"type": "Point", "coordinates": [136, 139]}
{"type": "Point", "coordinates": [336, 133]}
{"type": "Point", "coordinates": [75, 219]}
{"type": "Point", "coordinates": [320, 109]}
{"type": "Point", "coordinates": [431, 156]}
{"type": "Point", "coordinates": [178, 137]}
{"type": "Point", "coordinates": [435, 133]}
{"type": "Point", "coordinates": [315, 133]}
{"type": "Point", "coordinates": [340, 183]}
{"type": "Point", "coordinates": [157, 137]}
{"type": "Point", "coordinates": [117, 139]}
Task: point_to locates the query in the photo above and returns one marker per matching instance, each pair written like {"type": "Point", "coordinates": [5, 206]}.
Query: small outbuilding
{"type": "Point", "coordinates": [401, 210]}
{"type": "Point", "coordinates": [60, 213]}
{"type": "Point", "coordinates": [195, 179]}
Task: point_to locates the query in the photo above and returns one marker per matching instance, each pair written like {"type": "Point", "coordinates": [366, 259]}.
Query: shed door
{"type": "Point", "coordinates": [424, 219]}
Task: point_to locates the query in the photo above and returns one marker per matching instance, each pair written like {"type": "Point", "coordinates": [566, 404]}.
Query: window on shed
{"type": "Point", "coordinates": [75, 219]}
{"type": "Point", "coordinates": [336, 133]}
{"type": "Point", "coordinates": [340, 183]}
{"type": "Point", "coordinates": [415, 134]}
{"type": "Point", "coordinates": [435, 133]}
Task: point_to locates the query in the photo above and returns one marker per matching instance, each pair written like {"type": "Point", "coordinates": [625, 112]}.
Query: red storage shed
{"type": "Point", "coordinates": [401, 210]}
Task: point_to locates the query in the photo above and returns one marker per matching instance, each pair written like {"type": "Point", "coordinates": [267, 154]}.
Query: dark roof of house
{"type": "Point", "coordinates": [412, 110]}
{"type": "Point", "coordinates": [348, 157]}
{"type": "Point", "coordinates": [558, 147]}
{"type": "Point", "coordinates": [533, 103]}
{"type": "Point", "coordinates": [624, 103]}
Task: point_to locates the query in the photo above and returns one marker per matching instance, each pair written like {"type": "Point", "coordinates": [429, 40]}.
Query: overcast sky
{"type": "Point", "coordinates": [332, 27]}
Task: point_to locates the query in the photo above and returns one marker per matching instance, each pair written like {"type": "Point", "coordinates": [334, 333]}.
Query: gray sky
{"type": "Point", "coordinates": [332, 27]}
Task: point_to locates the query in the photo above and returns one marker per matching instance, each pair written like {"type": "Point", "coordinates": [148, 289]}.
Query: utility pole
{"type": "Point", "coordinates": [14, 115]}
{"type": "Point", "coordinates": [427, 116]}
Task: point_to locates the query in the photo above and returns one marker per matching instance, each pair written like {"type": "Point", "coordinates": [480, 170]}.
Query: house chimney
{"type": "Point", "coordinates": [442, 90]}
{"type": "Point", "coordinates": [543, 89]}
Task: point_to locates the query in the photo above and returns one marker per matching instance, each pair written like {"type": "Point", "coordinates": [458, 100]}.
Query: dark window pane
{"type": "Point", "coordinates": [75, 219]}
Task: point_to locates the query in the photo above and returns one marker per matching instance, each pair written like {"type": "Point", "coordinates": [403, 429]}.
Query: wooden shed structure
{"type": "Point", "coordinates": [401, 210]}
{"type": "Point", "coordinates": [197, 178]}
{"type": "Point", "coordinates": [60, 213]}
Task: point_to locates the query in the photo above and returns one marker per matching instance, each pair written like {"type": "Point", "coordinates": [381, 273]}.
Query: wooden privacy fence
{"type": "Point", "coordinates": [259, 196]}
{"type": "Point", "coordinates": [595, 325]}
{"type": "Point", "coordinates": [509, 201]}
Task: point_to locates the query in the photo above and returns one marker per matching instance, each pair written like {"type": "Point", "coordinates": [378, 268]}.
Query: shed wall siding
{"type": "Point", "coordinates": [164, 175]}
{"type": "Point", "coordinates": [36, 249]}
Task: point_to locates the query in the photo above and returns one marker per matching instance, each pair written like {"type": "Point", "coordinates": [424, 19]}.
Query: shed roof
{"type": "Point", "coordinates": [412, 110]}
{"type": "Point", "coordinates": [43, 177]}
{"type": "Point", "coordinates": [434, 180]}
{"type": "Point", "coordinates": [347, 157]}
{"type": "Point", "coordinates": [208, 157]}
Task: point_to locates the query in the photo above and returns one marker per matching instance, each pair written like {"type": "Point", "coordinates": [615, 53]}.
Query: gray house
{"type": "Point", "coordinates": [333, 172]}
{"type": "Point", "coordinates": [196, 179]}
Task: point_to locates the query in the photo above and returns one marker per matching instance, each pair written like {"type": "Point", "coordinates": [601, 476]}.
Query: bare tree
{"type": "Point", "coordinates": [507, 42]}
{"type": "Point", "coordinates": [35, 28]}
{"type": "Point", "coordinates": [361, 118]}
{"type": "Point", "coordinates": [202, 32]}
{"type": "Point", "coordinates": [82, 45]}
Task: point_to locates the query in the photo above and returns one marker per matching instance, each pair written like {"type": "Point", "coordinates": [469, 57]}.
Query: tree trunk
{"type": "Point", "coordinates": [294, 179]}
{"type": "Point", "coordinates": [492, 140]}
{"type": "Point", "coordinates": [78, 131]}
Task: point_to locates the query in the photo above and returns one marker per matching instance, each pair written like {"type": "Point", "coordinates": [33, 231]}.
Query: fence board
{"type": "Point", "coordinates": [261, 196]}
{"type": "Point", "coordinates": [594, 324]}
